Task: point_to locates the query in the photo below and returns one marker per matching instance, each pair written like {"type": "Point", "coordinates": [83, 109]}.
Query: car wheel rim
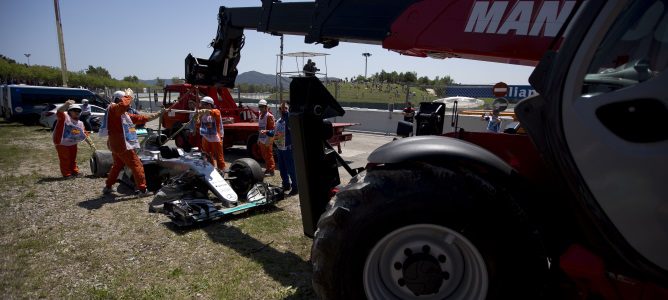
{"type": "Point", "coordinates": [425, 261]}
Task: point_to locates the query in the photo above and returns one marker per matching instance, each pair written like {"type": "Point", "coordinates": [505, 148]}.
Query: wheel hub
{"type": "Point", "coordinates": [425, 261]}
{"type": "Point", "coordinates": [422, 274]}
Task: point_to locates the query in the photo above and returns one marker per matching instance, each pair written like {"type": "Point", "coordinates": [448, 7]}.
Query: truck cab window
{"type": "Point", "coordinates": [634, 50]}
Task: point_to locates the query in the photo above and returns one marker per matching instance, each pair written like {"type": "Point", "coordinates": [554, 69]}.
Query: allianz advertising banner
{"type": "Point", "coordinates": [515, 92]}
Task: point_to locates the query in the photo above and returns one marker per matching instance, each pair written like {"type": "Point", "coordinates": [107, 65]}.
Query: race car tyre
{"type": "Point", "coordinates": [425, 232]}
{"type": "Point", "coordinates": [181, 139]}
{"type": "Point", "coordinates": [151, 174]}
{"type": "Point", "coordinates": [95, 123]}
{"type": "Point", "coordinates": [100, 163]}
{"type": "Point", "coordinates": [245, 173]}
{"type": "Point", "coordinates": [153, 178]}
{"type": "Point", "coordinates": [253, 148]}
{"type": "Point", "coordinates": [126, 185]}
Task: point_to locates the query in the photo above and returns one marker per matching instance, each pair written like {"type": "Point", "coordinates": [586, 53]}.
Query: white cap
{"type": "Point", "coordinates": [74, 106]}
{"type": "Point", "coordinates": [84, 101]}
{"type": "Point", "coordinates": [118, 95]}
{"type": "Point", "coordinates": [262, 102]}
{"type": "Point", "coordinates": [207, 99]}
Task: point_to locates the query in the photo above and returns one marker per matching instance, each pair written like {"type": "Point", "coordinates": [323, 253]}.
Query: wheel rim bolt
{"type": "Point", "coordinates": [441, 258]}
{"type": "Point", "coordinates": [408, 252]}
{"type": "Point", "coordinates": [446, 275]}
{"type": "Point", "coordinates": [397, 265]}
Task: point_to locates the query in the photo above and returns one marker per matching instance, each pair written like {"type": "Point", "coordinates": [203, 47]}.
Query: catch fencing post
{"type": "Point", "coordinates": [150, 104]}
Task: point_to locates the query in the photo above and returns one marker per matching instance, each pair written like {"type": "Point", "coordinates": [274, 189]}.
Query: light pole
{"type": "Point", "coordinates": [61, 43]}
{"type": "Point", "coordinates": [28, 56]}
{"type": "Point", "coordinates": [366, 58]}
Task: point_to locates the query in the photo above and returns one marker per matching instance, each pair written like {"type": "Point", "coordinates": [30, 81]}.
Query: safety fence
{"type": "Point", "coordinates": [151, 99]}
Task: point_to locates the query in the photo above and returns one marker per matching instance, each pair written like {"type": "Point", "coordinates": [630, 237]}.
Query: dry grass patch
{"type": "Point", "coordinates": [64, 239]}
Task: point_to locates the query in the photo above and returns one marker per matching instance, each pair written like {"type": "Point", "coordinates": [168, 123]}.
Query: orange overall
{"type": "Point", "coordinates": [123, 153]}
{"type": "Point", "coordinates": [212, 132]}
{"type": "Point", "coordinates": [266, 122]}
{"type": "Point", "coordinates": [66, 142]}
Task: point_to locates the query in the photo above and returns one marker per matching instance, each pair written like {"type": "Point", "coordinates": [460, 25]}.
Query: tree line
{"type": "Point", "coordinates": [12, 72]}
{"type": "Point", "coordinates": [407, 78]}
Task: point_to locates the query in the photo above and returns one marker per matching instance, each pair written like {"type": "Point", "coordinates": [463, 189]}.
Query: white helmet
{"type": "Point", "coordinates": [207, 99]}
{"type": "Point", "coordinates": [262, 102]}
{"type": "Point", "coordinates": [84, 101]}
{"type": "Point", "coordinates": [74, 107]}
{"type": "Point", "coordinates": [118, 95]}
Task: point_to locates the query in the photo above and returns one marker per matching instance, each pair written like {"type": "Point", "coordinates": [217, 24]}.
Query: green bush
{"type": "Point", "coordinates": [93, 77]}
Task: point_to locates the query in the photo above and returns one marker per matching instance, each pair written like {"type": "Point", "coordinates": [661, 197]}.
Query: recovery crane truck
{"type": "Point", "coordinates": [240, 121]}
{"type": "Point", "coordinates": [579, 210]}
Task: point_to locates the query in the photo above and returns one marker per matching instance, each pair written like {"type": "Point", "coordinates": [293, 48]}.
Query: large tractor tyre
{"type": "Point", "coordinates": [245, 172]}
{"type": "Point", "coordinates": [100, 163]}
{"type": "Point", "coordinates": [253, 148]}
{"type": "Point", "coordinates": [425, 232]}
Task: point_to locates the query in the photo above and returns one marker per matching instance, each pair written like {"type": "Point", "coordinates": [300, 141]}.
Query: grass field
{"type": "Point", "coordinates": [64, 239]}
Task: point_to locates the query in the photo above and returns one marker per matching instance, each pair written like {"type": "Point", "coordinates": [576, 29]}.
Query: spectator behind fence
{"type": "Point", "coordinates": [409, 112]}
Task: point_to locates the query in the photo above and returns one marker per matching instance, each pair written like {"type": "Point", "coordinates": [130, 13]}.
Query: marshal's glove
{"type": "Point", "coordinates": [66, 106]}
{"type": "Point", "coordinates": [90, 143]}
{"type": "Point", "coordinates": [203, 112]}
{"type": "Point", "coordinates": [153, 116]}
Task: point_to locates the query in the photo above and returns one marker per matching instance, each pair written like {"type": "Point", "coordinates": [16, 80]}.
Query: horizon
{"type": "Point", "coordinates": [149, 40]}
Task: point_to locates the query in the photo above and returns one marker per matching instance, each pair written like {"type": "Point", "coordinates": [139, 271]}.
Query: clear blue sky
{"type": "Point", "coordinates": [151, 38]}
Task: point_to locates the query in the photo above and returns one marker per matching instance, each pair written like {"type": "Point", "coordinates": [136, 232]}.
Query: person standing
{"type": "Point", "coordinates": [310, 69]}
{"type": "Point", "coordinates": [493, 121]}
{"type": "Point", "coordinates": [69, 132]}
{"type": "Point", "coordinates": [212, 132]}
{"type": "Point", "coordinates": [409, 112]}
{"type": "Point", "coordinates": [265, 142]}
{"type": "Point", "coordinates": [283, 141]}
{"type": "Point", "coordinates": [122, 141]}
{"type": "Point", "coordinates": [85, 114]}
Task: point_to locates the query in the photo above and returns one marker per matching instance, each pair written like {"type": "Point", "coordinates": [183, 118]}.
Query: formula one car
{"type": "Point", "coordinates": [182, 181]}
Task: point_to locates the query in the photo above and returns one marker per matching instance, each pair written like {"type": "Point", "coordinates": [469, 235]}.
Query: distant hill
{"type": "Point", "coordinates": [153, 81]}
{"type": "Point", "coordinates": [254, 77]}
{"type": "Point", "coordinates": [149, 82]}
{"type": "Point", "coordinates": [250, 77]}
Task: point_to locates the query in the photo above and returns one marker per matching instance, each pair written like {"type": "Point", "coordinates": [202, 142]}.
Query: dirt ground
{"type": "Point", "coordinates": [64, 239]}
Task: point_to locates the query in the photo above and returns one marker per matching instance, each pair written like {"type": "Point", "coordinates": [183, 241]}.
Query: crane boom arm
{"type": "Point", "coordinates": [513, 31]}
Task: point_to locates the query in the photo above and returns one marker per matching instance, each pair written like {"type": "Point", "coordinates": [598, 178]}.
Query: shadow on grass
{"type": "Point", "coordinates": [52, 179]}
{"type": "Point", "coordinates": [60, 178]}
{"type": "Point", "coordinates": [4, 123]}
{"type": "Point", "coordinates": [97, 203]}
{"type": "Point", "coordinates": [287, 268]}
